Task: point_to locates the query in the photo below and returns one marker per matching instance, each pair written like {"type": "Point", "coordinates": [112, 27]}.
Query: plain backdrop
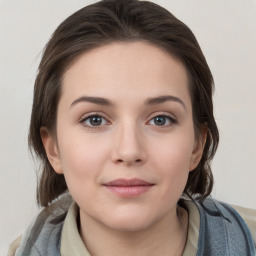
{"type": "Point", "coordinates": [226, 31]}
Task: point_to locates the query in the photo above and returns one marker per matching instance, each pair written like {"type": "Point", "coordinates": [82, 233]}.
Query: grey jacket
{"type": "Point", "coordinates": [222, 231]}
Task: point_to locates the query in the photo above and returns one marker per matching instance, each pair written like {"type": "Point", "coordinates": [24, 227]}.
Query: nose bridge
{"type": "Point", "coordinates": [128, 145]}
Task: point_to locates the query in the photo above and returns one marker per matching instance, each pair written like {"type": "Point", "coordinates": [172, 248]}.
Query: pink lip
{"type": "Point", "coordinates": [128, 187]}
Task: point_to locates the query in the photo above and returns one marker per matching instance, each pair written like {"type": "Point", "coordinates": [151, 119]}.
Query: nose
{"type": "Point", "coordinates": [128, 146]}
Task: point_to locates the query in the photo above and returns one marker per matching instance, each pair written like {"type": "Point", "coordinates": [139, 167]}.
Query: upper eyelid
{"type": "Point", "coordinates": [95, 113]}
{"type": "Point", "coordinates": [161, 113]}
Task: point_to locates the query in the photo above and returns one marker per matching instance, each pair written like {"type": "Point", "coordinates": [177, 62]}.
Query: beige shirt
{"type": "Point", "coordinates": [72, 244]}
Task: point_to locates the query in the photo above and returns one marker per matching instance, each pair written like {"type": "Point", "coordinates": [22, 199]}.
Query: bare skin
{"type": "Point", "coordinates": [157, 241]}
{"type": "Point", "coordinates": [126, 144]}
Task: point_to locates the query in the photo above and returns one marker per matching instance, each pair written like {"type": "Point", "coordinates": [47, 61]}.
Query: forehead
{"type": "Point", "coordinates": [120, 68]}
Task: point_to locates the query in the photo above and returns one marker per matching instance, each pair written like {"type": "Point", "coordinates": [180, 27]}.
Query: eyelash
{"type": "Point", "coordinates": [170, 119]}
{"type": "Point", "coordinates": [89, 118]}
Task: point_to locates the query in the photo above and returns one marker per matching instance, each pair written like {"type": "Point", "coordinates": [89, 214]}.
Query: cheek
{"type": "Point", "coordinates": [82, 158]}
{"type": "Point", "coordinates": [174, 153]}
{"type": "Point", "coordinates": [172, 162]}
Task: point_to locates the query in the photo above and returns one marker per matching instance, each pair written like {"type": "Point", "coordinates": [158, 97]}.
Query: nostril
{"type": "Point", "coordinates": [137, 161]}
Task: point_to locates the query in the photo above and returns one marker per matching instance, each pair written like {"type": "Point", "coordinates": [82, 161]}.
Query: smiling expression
{"type": "Point", "coordinates": [125, 135]}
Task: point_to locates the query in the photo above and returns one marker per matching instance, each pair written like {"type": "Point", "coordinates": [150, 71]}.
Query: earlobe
{"type": "Point", "coordinates": [51, 149]}
{"type": "Point", "coordinates": [198, 148]}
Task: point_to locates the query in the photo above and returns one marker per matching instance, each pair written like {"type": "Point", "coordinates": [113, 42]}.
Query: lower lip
{"type": "Point", "coordinates": [131, 191]}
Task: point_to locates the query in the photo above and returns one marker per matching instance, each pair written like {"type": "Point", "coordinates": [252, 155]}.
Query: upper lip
{"type": "Point", "coordinates": [128, 183]}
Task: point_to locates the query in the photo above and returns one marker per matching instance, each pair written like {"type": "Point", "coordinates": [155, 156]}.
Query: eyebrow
{"type": "Point", "coordinates": [149, 101]}
{"type": "Point", "coordinates": [164, 98]}
{"type": "Point", "coordinates": [95, 100]}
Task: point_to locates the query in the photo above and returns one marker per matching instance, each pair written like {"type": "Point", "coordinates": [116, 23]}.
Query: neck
{"type": "Point", "coordinates": [165, 237]}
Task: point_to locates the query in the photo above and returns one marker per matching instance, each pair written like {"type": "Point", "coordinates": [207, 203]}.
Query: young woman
{"type": "Point", "coordinates": [123, 123]}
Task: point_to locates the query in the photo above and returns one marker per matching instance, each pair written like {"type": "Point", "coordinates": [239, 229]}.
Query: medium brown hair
{"type": "Point", "coordinates": [121, 20]}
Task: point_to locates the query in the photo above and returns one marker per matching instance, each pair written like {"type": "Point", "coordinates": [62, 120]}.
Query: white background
{"type": "Point", "coordinates": [226, 31]}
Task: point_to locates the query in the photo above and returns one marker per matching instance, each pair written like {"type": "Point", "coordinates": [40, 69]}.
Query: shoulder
{"type": "Point", "coordinates": [224, 228]}
{"type": "Point", "coordinates": [249, 216]}
{"type": "Point", "coordinates": [44, 232]}
{"type": "Point", "coordinates": [245, 215]}
{"type": "Point", "coordinates": [220, 227]}
{"type": "Point", "coordinates": [14, 246]}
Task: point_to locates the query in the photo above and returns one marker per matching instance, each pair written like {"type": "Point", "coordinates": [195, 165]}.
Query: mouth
{"type": "Point", "coordinates": [128, 187]}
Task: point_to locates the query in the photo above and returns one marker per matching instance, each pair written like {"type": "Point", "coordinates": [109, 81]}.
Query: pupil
{"type": "Point", "coordinates": [96, 120]}
{"type": "Point", "coordinates": [160, 120]}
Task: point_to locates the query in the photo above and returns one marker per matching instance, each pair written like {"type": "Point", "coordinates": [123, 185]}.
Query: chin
{"type": "Point", "coordinates": [130, 222]}
{"type": "Point", "coordinates": [130, 226]}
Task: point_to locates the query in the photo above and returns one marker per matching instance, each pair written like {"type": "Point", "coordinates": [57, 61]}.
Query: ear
{"type": "Point", "coordinates": [51, 149]}
{"type": "Point", "coordinates": [198, 147]}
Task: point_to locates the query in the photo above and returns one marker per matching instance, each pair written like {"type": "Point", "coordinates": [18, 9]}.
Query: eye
{"type": "Point", "coordinates": [162, 120]}
{"type": "Point", "coordinates": [94, 121]}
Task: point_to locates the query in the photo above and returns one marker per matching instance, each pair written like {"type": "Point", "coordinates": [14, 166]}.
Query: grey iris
{"type": "Point", "coordinates": [95, 120]}
{"type": "Point", "coordinates": [160, 120]}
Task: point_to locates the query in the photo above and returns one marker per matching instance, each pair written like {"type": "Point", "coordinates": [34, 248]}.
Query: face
{"type": "Point", "coordinates": [125, 137]}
